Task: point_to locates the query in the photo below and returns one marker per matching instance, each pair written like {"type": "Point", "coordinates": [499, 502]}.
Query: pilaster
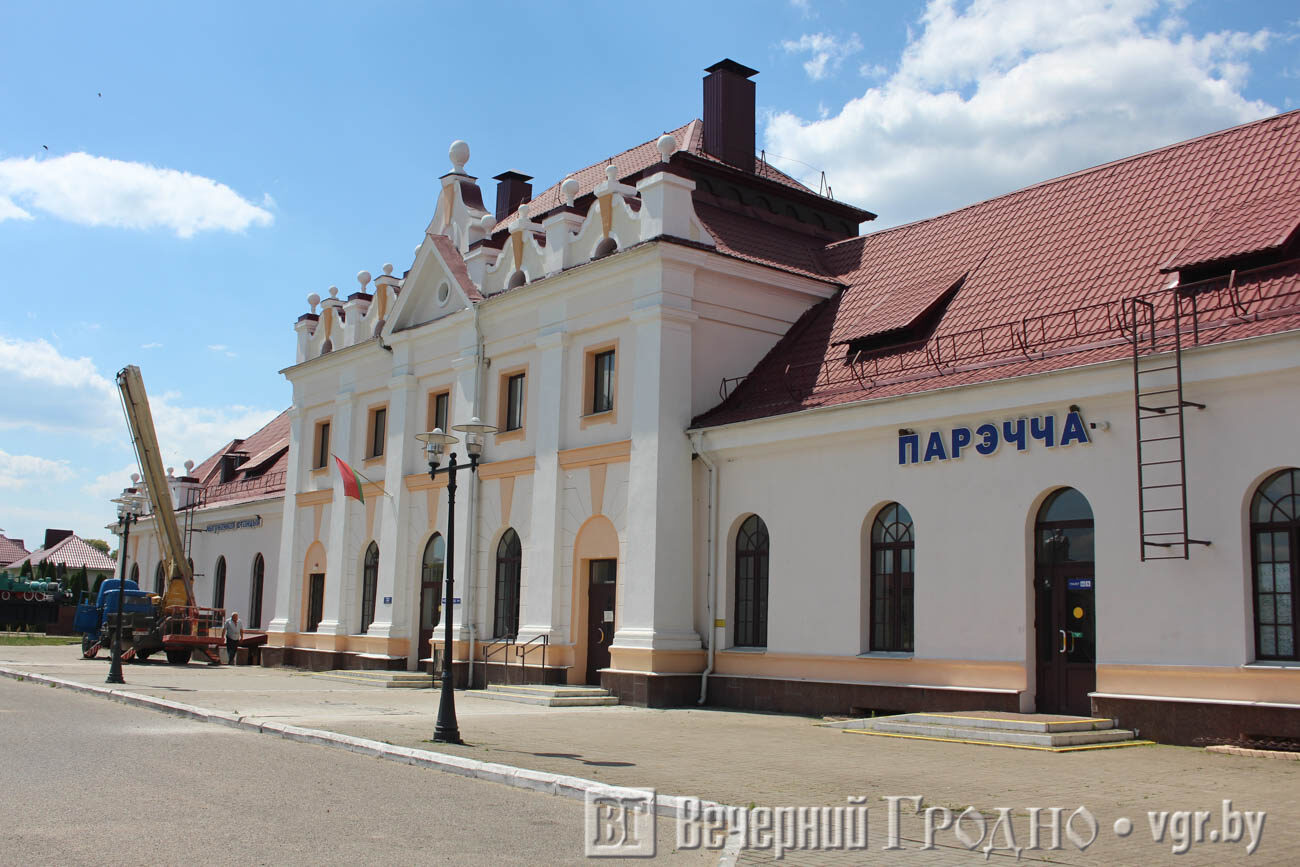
{"type": "Point", "coordinates": [288, 577]}
{"type": "Point", "coordinates": [658, 599]}
{"type": "Point", "coordinates": [341, 578]}
{"type": "Point", "coordinates": [538, 612]}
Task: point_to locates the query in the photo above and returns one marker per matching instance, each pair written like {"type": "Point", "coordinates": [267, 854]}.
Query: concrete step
{"type": "Point", "coordinates": [549, 696]}
{"type": "Point", "coordinates": [381, 679]}
{"type": "Point", "coordinates": [1015, 722]}
{"type": "Point", "coordinates": [1027, 731]}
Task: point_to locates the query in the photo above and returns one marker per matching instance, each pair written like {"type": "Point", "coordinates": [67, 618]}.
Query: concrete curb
{"type": "Point", "coordinates": [667, 806]}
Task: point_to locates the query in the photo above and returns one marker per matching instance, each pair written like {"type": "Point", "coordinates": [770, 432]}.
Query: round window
{"type": "Point", "coordinates": [444, 292]}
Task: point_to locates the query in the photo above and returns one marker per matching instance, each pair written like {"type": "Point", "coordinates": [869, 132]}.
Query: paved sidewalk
{"type": "Point", "coordinates": [777, 760]}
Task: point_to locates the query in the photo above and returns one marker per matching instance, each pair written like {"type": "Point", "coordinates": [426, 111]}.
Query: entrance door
{"type": "Point", "coordinates": [430, 615]}
{"type": "Point", "coordinates": [1065, 614]}
{"type": "Point", "coordinates": [430, 593]}
{"type": "Point", "coordinates": [600, 616]}
{"type": "Point", "coordinates": [315, 601]}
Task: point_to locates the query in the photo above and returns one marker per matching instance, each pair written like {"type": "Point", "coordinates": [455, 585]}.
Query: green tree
{"type": "Point", "coordinates": [25, 573]}
{"type": "Point", "coordinates": [80, 583]}
{"type": "Point", "coordinates": [100, 544]}
{"type": "Point", "coordinates": [98, 581]}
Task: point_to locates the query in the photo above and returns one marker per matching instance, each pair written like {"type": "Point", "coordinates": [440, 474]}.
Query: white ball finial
{"type": "Point", "coordinates": [667, 146]}
{"type": "Point", "coordinates": [488, 222]}
{"type": "Point", "coordinates": [523, 212]}
{"type": "Point", "coordinates": [458, 153]}
{"type": "Point", "coordinates": [611, 174]}
{"type": "Point", "coordinates": [417, 249]}
{"type": "Point", "coordinates": [388, 269]}
{"type": "Point", "coordinates": [170, 472]}
{"type": "Point", "coordinates": [189, 467]}
{"type": "Point", "coordinates": [569, 189]}
{"type": "Point", "coordinates": [313, 299]}
{"type": "Point", "coordinates": [334, 292]}
{"type": "Point", "coordinates": [135, 479]}
{"type": "Point", "coordinates": [363, 277]}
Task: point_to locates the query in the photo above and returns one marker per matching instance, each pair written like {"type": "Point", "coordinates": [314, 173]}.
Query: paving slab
{"type": "Point", "coordinates": [777, 760]}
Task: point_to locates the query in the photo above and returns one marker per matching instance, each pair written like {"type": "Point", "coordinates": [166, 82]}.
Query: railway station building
{"type": "Point", "coordinates": [1037, 454]}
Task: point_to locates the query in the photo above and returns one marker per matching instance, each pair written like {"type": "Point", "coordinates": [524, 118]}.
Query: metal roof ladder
{"type": "Point", "coordinates": [1158, 406]}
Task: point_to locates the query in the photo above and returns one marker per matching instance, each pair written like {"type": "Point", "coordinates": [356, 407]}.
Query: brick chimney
{"type": "Point", "coordinates": [513, 190]}
{"type": "Point", "coordinates": [729, 113]}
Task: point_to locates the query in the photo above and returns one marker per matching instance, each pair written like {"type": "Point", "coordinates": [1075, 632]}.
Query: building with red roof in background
{"type": "Point", "coordinates": [1037, 454]}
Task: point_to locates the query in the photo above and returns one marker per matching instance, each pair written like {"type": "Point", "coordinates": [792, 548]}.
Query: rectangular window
{"type": "Point", "coordinates": [602, 391]}
{"type": "Point", "coordinates": [378, 417]}
{"type": "Point", "coordinates": [438, 403]}
{"type": "Point", "coordinates": [515, 402]}
{"type": "Point", "coordinates": [322, 455]}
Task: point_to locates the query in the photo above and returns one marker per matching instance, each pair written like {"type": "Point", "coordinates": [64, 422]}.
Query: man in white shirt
{"type": "Point", "coordinates": [234, 632]}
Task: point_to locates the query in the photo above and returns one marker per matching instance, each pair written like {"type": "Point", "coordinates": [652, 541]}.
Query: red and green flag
{"type": "Point", "coordinates": [351, 481]}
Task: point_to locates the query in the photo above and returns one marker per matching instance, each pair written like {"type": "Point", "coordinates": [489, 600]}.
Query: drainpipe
{"type": "Point", "coordinates": [711, 558]}
{"type": "Point", "coordinates": [471, 561]}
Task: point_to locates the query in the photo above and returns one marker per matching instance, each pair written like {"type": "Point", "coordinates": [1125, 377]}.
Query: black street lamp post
{"type": "Point", "coordinates": [447, 731]}
{"type": "Point", "coordinates": [128, 511]}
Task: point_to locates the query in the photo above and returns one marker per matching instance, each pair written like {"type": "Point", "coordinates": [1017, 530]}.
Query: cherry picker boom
{"type": "Point", "coordinates": [173, 622]}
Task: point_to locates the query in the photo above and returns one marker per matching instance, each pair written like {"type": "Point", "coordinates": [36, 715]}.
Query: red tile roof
{"type": "Point", "coordinates": [1252, 226]}
{"type": "Point", "coordinates": [72, 552]}
{"type": "Point", "coordinates": [11, 550]}
{"type": "Point", "coordinates": [1046, 271]}
{"type": "Point", "coordinates": [261, 477]}
{"type": "Point", "coordinates": [690, 138]}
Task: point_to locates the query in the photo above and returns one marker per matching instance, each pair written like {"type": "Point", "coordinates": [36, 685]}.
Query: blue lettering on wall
{"type": "Point", "coordinates": [987, 437]}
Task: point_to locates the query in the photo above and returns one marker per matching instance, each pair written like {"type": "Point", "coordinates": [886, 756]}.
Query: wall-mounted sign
{"type": "Point", "coordinates": [1078, 584]}
{"type": "Point", "coordinates": [388, 600]}
{"type": "Point", "coordinates": [986, 438]}
{"type": "Point", "coordinates": [244, 524]}
{"type": "Point", "coordinates": [455, 600]}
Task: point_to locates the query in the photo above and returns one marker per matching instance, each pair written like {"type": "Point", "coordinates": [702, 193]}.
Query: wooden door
{"type": "Point", "coordinates": [315, 601]}
{"type": "Point", "coordinates": [601, 596]}
{"type": "Point", "coordinates": [430, 615]}
{"type": "Point", "coordinates": [1066, 625]}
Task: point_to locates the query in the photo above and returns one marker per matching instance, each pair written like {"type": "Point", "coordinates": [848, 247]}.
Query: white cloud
{"type": "Point", "coordinates": [108, 485]}
{"type": "Point", "coordinates": [826, 52]}
{"type": "Point", "coordinates": [804, 7]}
{"type": "Point", "coordinates": [217, 347]}
{"type": "Point", "coordinates": [9, 210]}
{"type": "Point", "coordinates": [43, 390]}
{"type": "Point", "coordinates": [993, 95]}
{"type": "Point", "coordinates": [19, 471]}
{"type": "Point", "coordinates": [153, 345]}
{"type": "Point", "coordinates": [99, 191]}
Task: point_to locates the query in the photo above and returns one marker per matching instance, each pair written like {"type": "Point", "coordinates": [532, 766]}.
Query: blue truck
{"type": "Point", "coordinates": [142, 621]}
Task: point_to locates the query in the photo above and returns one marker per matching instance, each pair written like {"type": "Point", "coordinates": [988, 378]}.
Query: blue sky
{"type": "Point", "coordinates": [175, 179]}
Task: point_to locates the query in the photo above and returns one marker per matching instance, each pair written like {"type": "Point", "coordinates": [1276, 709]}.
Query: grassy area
{"type": "Point", "coordinates": [32, 639]}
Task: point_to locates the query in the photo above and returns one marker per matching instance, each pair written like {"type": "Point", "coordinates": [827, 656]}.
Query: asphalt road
{"type": "Point", "coordinates": [89, 781]}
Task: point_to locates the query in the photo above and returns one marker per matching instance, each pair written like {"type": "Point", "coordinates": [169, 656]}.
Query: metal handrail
{"type": "Point", "coordinates": [491, 649]}
{"type": "Point", "coordinates": [522, 651]}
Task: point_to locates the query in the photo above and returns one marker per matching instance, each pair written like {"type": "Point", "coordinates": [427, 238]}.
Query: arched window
{"type": "Point", "coordinates": [751, 583]}
{"type": "Point", "coordinates": [135, 573]}
{"type": "Point", "coordinates": [159, 579]}
{"type": "Point", "coordinates": [1275, 555]}
{"type": "Point", "coordinates": [255, 595]}
{"type": "Point", "coordinates": [505, 620]}
{"type": "Point", "coordinates": [893, 545]}
{"type": "Point", "coordinates": [369, 585]}
{"type": "Point", "coordinates": [431, 583]}
{"type": "Point", "coordinates": [219, 584]}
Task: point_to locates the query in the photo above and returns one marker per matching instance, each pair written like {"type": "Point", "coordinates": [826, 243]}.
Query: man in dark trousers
{"type": "Point", "coordinates": [234, 632]}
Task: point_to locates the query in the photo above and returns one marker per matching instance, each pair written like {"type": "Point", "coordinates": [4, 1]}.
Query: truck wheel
{"type": "Point", "coordinates": [178, 657]}
{"type": "Point", "coordinates": [140, 656]}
